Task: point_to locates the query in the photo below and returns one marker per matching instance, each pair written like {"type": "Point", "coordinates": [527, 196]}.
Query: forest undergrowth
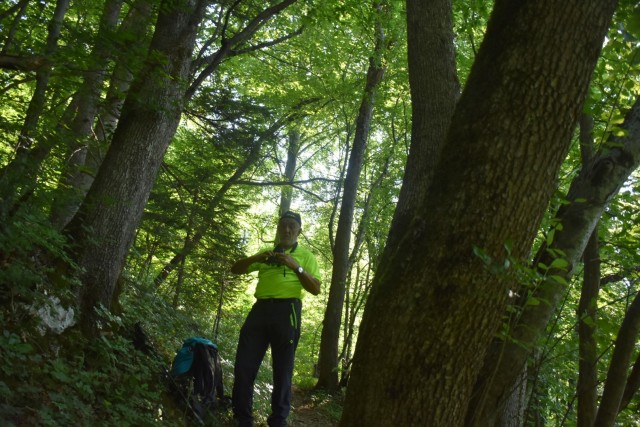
{"type": "Point", "coordinates": [50, 379]}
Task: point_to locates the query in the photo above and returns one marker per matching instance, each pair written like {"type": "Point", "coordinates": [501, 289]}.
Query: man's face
{"type": "Point", "coordinates": [288, 231]}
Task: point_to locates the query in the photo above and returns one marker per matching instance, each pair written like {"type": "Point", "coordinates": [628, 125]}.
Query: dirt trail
{"type": "Point", "coordinates": [307, 412]}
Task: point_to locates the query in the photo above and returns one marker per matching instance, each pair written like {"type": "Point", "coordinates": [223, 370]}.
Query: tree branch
{"type": "Point", "coordinates": [22, 63]}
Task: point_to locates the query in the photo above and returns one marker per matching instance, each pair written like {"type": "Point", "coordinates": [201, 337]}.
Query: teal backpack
{"type": "Point", "coordinates": [197, 361]}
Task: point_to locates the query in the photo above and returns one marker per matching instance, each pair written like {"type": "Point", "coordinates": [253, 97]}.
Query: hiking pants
{"type": "Point", "coordinates": [275, 323]}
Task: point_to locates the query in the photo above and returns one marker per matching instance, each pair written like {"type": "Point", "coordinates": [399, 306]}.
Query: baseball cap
{"type": "Point", "coordinates": [293, 215]}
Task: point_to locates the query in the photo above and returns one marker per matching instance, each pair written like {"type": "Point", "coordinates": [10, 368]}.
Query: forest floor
{"type": "Point", "coordinates": [310, 409]}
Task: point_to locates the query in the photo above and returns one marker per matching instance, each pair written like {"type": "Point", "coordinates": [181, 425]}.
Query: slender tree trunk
{"type": "Point", "coordinates": [614, 386]}
{"type": "Point", "coordinates": [20, 7]}
{"type": "Point", "coordinates": [75, 182]}
{"type": "Point", "coordinates": [587, 307]}
{"type": "Point", "coordinates": [597, 183]}
{"type": "Point", "coordinates": [632, 386]}
{"type": "Point", "coordinates": [434, 92]}
{"type": "Point", "coordinates": [328, 362]}
{"type": "Point", "coordinates": [588, 357]}
{"type": "Point", "coordinates": [134, 27]}
{"type": "Point", "coordinates": [178, 289]}
{"type": "Point", "coordinates": [18, 177]}
{"type": "Point", "coordinates": [103, 229]}
{"type": "Point", "coordinates": [435, 304]}
{"type": "Point", "coordinates": [286, 193]}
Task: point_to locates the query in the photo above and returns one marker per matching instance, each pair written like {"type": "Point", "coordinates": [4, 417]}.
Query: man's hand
{"type": "Point", "coordinates": [286, 259]}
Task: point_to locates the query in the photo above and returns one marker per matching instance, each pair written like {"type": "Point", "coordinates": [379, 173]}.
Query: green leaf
{"type": "Point", "coordinates": [560, 263]}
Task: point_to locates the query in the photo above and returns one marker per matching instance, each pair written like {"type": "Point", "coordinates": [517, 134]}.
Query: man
{"type": "Point", "coordinates": [274, 319]}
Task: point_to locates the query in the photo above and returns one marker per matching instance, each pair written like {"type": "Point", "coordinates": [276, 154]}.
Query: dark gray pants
{"type": "Point", "coordinates": [275, 323]}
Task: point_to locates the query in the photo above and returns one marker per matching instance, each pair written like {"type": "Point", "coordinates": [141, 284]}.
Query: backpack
{"type": "Point", "coordinates": [198, 362]}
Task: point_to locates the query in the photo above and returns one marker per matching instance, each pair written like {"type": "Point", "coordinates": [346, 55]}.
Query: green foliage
{"type": "Point", "coordinates": [63, 380]}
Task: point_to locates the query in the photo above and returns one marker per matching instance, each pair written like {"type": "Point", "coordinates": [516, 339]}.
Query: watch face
{"type": "Point", "coordinates": [300, 270]}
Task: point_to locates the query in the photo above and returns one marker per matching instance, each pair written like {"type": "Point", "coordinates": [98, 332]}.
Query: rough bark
{"type": "Point", "coordinates": [435, 305]}
{"type": "Point", "coordinates": [328, 361]}
{"type": "Point", "coordinates": [596, 184]}
{"type": "Point", "coordinates": [102, 231]}
{"type": "Point", "coordinates": [434, 91]}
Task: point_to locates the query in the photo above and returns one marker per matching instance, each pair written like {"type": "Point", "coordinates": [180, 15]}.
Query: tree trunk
{"type": "Point", "coordinates": [434, 91]}
{"type": "Point", "coordinates": [438, 298]}
{"type": "Point", "coordinates": [18, 177]}
{"type": "Point", "coordinates": [20, 7]}
{"type": "Point", "coordinates": [328, 362]}
{"type": "Point", "coordinates": [103, 228]}
{"type": "Point", "coordinates": [587, 307]}
{"type": "Point", "coordinates": [513, 412]}
{"type": "Point", "coordinates": [74, 182]}
{"type": "Point", "coordinates": [597, 183]}
{"type": "Point", "coordinates": [614, 385]}
{"type": "Point", "coordinates": [286, 192]}
{"type": "Point", "coordinates": [632, 386]}
{"type": "Point", "coordinates": [588, 355]}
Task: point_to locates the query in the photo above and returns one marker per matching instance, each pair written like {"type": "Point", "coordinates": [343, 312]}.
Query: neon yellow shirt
{"type": "Point", "coordinates": [279, 281]}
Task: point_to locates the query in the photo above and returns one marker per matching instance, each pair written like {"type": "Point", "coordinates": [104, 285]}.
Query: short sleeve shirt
{"type": "Point", "coordinates": [279, 281]}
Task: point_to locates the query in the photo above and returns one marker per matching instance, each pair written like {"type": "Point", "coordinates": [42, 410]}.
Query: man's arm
{"type": "Point", "coordinates": [309, 282]}
{"type": "Point", "coordinates": [242, 265]}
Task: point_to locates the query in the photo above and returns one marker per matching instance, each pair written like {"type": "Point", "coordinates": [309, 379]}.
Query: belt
{"type": "Point", "coordinates": [276, 300]}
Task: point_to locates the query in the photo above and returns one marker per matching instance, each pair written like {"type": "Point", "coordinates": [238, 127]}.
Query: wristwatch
{"type": "Point", "coordinates": [299, 270]}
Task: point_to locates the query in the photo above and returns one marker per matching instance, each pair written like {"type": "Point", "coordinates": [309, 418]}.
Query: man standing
{"type": "Point", "coordinates": [274, 319]}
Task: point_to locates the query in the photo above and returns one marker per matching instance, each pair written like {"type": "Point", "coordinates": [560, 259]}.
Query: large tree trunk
{"type": "Point", "coordinates": [439, 296]}
{"type": "Point", "coordinates": [328, 361]}
{"type": "Point", "coordinates": [596, 184]}
{"type": "Point", "coordinates": [103, 228]}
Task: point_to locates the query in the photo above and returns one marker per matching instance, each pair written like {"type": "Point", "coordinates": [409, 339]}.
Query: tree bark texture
{"type": "Point", "coordinates": [328, 361]}
{"type": "Point", "coordinates": [435, 304]}
{"type": "Point", "coordinates": [589, 194]}
{"type": "Point", "coordinates": [434, 91]}
{"type": "Point", "coordinates": [102, 231]}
